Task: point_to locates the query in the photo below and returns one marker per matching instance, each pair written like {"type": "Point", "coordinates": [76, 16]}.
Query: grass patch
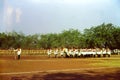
{"type": "Point", "coordinates": [107, 63]}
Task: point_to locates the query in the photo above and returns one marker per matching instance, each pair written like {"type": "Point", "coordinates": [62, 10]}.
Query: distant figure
{"type": "Point", "coordinates": [49, 51]}
{"type": "Point", "coordinates": [56, 52]}
{"type": "Point", "coordinates": [61, 52]}
{"type": "Point", "coordinates": [18, 52]}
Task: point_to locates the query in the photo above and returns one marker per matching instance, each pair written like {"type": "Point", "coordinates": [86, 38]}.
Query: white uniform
{"type": "Point", "coordinates": [70, 52]}
{"type": "Point", "coordinates": [18, 52]}
{"type": "Point", "coordinates": [49, 52]}
{"type": "Point", "coordinates": [61, 53]}
{"type": "Point", "coordinates": [56, 53]}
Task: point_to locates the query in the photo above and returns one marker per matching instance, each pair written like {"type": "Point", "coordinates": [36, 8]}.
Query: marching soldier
{"type": "Point", "coordinates": [49, 51]}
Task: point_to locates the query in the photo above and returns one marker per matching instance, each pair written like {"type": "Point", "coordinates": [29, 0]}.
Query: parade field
{"type": "Point", "coordinates": [33, 67]}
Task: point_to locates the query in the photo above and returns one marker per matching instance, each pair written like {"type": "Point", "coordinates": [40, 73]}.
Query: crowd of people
{"type": "Point", "coordinates": [74, 52]}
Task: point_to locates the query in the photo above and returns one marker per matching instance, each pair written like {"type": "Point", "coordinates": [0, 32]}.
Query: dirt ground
{"type": "Point", "coordinates": [44, 68]}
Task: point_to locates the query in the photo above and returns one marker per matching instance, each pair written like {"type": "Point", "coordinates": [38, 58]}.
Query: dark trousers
{"type": "Point", "coordinates": [55, 55]}
{"type": "Point", "coordinates": [18, 57]}
{"type": "Point", "coordinates": [49, 56]}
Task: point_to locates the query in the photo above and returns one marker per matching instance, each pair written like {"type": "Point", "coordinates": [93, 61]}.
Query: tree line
{"type": "Point", "coordinates": [104, 35]}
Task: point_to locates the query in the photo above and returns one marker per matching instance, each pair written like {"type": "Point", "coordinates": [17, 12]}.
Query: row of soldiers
{"type": "Point", "coordinates": [65, 52]}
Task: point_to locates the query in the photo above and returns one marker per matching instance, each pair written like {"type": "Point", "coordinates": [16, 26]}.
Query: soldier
{"type": "Point", "coordinates": [70, 52]}
{"type": "Point", "coordinates": [79, 53]}
{"type": "Point", "coordinates": [76, 53]}
{"type": "Point", "coordinates": [65, 52]}
{"type": "Point", "coordinates": [49, 51]}
{"type": "Point", "coordinates": [108, 51]}
{"type": "Point", "coordinates": [61, 52]}
{"type": "Point", "coordinates": [56, 52]}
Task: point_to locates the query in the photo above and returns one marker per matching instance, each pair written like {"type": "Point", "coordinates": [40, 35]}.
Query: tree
{"type": "Point", "coordinates": [71, 38]}
{"type": "Point", "coordinates": [104, 35]}
{"type": "Point", "coordinates": [116, 38]}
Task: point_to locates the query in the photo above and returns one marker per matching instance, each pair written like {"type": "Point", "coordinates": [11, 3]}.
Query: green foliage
{"type": "Point", "coordinates": [70, 38]}
{"type": "Point", "coordinates": [104, 35]}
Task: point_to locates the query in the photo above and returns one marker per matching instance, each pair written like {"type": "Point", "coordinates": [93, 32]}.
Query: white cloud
{"type": "Point", "coordinates": [9, 13]}
{"type": "Point", "coordinates": [8, 17]}
{"type": "Point", "coordinates": [18, 14]}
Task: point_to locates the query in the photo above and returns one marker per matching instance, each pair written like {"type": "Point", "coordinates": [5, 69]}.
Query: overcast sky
{"type": "Point", "coordinates": [46, 16]}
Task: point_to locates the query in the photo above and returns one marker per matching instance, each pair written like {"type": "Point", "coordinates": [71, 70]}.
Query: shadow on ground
{"type": "Point", "coordinates": [89, 75]}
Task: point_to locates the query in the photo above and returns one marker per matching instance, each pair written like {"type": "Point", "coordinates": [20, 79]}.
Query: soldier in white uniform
{"type": "Point", "coordinates": [76, 53]}
{"type": "Point", "coordinates": [108, 51]}
{"type": "Point", "coordinates": [49, 52]}
{"type": "Point", "coordinates": [70, 53]}
{"type": "Point", "coordinates": [79, 52]}
{"type": "Point", "coordinates": [56, 52]}
{"type": "Point", "coordinates": [61, 52]}
{"type": "Point", "coordinates": [66, 54]}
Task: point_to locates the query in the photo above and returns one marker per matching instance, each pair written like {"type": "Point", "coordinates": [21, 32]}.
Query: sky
{"type": "Point", "coordinates": [54, 16]}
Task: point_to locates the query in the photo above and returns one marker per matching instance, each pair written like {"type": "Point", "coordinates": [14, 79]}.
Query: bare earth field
{"type": "Point", "coordinates": [44, 68]}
